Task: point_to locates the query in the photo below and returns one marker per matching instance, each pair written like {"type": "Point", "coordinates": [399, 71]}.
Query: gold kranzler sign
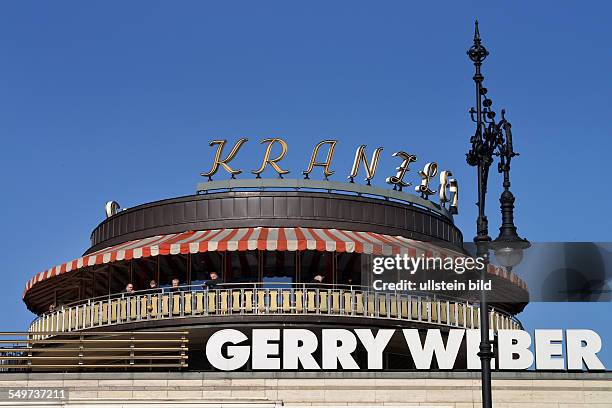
{"type": "Point", "coordinates": [322, 156]}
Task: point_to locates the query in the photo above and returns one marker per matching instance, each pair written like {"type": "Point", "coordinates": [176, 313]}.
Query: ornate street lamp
{"type": "Point", "coordinates": [492, 138]}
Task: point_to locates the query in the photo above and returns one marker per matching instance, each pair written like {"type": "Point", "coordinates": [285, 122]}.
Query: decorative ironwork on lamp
{"type": "Point", "coordinates": [491, 138]}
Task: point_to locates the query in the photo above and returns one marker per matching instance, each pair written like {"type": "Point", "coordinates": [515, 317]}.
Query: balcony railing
{"type": "Point", "coordinates": [263, 299]}
{"type": "Point", "coordinates": [66, 351]}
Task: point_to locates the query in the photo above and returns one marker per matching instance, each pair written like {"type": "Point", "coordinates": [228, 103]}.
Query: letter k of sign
{"type": "Point", "coordinates": [224, 162]}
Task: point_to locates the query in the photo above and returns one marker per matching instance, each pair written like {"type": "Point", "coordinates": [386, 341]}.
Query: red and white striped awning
{"type": "Point", "coordinates": [260, 238]}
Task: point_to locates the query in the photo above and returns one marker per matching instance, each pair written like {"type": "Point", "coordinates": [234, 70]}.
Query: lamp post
{"type": "Point", "coordinates": [491, 138]}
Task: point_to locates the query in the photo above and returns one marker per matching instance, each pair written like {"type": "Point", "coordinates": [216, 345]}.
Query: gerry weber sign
{"type": "Point", "coordinates": [430, 178]}
{"type": "Point", "coordinates": [335, 349]}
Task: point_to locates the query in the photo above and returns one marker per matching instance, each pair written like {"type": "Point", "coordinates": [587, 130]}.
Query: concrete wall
{"type": "Point", "coordinates": [450, 389]}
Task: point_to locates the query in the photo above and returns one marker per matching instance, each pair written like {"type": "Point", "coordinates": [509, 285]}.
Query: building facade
{"type": "Point", "coordinates": [127, 322]}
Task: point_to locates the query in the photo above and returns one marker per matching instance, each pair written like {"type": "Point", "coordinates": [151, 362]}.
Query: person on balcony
{"type": "Point", "coordinates": [153, 288]}
{"type": "Point", "coordinates": [318, 282]}
{"type": "Point", "coordinates": [175, 285]}
{"type": "Point", "coordinates": [129, 289]}
{"type": "Point", "coordinates": [213, 281]}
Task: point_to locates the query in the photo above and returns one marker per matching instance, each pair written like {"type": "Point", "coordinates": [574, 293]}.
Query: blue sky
{"type": "Point", "coordinates": [118, 100]}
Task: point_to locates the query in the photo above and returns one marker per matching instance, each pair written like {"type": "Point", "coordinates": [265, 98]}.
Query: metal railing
{"type": "Point", "coordinates": [69, 351]}
{"type": "Point", "coordinates": [266, 299]}
{"type": "Point", "coordinates": [210, 187]}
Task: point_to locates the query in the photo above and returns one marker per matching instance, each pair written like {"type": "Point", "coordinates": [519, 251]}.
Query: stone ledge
{"type": "Point", "coordinates": [336, 375]}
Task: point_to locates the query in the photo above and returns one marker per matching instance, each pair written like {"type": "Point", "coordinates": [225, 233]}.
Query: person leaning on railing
{"type": "Point", "coordinates": [153, 284]}
{"type": "Point", "coordinates": [129, 289]}
{"type": "Point", "coordinates": [175, 285]}
{"type": "Point", "coordinates": [213, 281]}
{"type": "Point", "coordinates": [153, 288]}
{"type": "Point", "coordinates": [318, 282]}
